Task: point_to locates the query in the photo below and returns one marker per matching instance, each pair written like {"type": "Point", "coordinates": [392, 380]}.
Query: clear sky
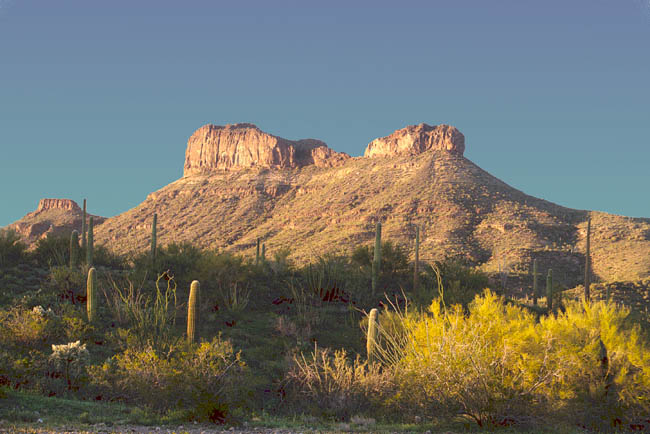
{"type": "Point", "coordinates": [98, 98]}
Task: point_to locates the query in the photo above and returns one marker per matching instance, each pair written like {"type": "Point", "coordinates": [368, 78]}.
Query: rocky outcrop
{"type": "Point", "coordinates": [52, 216]}
{"type": "Point", "coordinates": [238, 146]}
{"type": "Point", "coordinates": [416, 139]}
{"type": "Point", "coordinates": [49, 204]}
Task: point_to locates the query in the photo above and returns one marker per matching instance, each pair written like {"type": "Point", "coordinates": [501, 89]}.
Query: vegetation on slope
{"type": "Point", "coordinates": [276, 338]}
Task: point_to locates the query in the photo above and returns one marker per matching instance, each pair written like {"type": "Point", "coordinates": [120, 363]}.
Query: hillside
{"type": "Point", "coordinates": [241, 184]}
{"type": "Point", "coordinates": [52, 216]}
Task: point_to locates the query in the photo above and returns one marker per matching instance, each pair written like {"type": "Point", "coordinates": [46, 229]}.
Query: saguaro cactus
{"type": "Point", "coordinates": [91, 295]}
{"type": "Point", "coordinates": [91, 242]}
{"type": "Point", "coordinates": [588, 261]}
{"type": "Point", "coordinates": [549, 290]}
{"type": "Point", "coordinates": [257, 253]}
{"type": "Point", "coordinates": [193, 311]}
{"type": "Point", "coordinates": [371, 339]}
{"type": "Point", "coordinates": [535, 274]}
{"type": "Point", "coordinates": [263, 253]}
{"type": "Point", "coordinates": [153, 242]}
{"type": "Point", "coordinates": [416, 266]}
{"type": "Point", "coordinates": [376, 262]}
{"type": "Point", "coordinates": [83, 227]}
{"type": "Point", "coordinates": [74, 249]}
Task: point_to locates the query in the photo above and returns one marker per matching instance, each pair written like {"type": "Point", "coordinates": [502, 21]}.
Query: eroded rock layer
{"type": "Point", "coordinates": [239, 146]}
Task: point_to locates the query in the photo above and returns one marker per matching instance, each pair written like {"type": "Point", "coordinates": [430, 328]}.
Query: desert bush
{"type": "Point", "coordinates": [394, 259]}
{"type": "Point", "coordinates": [53, 250]}
{"type": "Point", "coordinates": [205, 379]}
{"type": "Point", "coordinates": [498, 365]}
{"type": "Point", "coordinates": [12, 250]}
{"type": "Point", "coordinates": [24, 369]}
{"type": "Point", "coordinates": [601, 363]}
{"type": "Point", "coordinates": [461, 282]}
{"type": "Point", "coordinates": [29, 328]}
{"type": "Point", "coordinates": [104, 257]}
{"type": "Point", "coordinates": [180, 259]}
{"type": "Point", "coordinates": [149, 318]}
{"type": "Point", "coordinates": [331, 385]}
{"type": "Point", "coordinates": [69, 284]}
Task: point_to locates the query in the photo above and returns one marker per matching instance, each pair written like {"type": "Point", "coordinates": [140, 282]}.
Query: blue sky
{"type": "Point", "coordinates": [98, 99]}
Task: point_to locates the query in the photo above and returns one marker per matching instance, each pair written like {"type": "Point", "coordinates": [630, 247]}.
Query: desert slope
{"type": "Point", "coordinates": [331, 202]}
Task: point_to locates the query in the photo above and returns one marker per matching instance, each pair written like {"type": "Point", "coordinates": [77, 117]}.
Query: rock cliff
{"type": "Point", "coordinates": [52, 216]}
{"type": "Point", "coordinates": [239, 146]}
{"type": "Point", "coordinates": [50, 204]}
{"type": "Point", "coordinates": [416, 139]}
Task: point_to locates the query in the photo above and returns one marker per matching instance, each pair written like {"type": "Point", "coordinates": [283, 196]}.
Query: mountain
{"type": "Point", "coordinates": [241, 184]}
{"type": "Point", "coordinates": [52, 216]}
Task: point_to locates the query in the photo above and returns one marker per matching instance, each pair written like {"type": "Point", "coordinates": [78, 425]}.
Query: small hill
{"type": "Point", "coordinates": [52, 216]}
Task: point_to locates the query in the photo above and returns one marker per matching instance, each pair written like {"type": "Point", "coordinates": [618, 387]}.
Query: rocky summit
{"type": "Point", "coordinates": [52, 216]}
{"type": "Point", "coordinates": [416, 139]}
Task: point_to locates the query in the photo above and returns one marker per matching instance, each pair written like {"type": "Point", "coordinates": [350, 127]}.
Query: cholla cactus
{"type": "Point", "coordinates": [70, 359]}
{"type": "Point", "coordinates": [38, 310]}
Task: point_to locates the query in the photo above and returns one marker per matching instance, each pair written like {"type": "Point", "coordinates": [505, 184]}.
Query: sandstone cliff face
{"type": "Point", "coordinates": [416, 139]}
{"type": "Point", "coordinates": [239, 146]}
{"type": "Point", "coordinates": [49, 204]}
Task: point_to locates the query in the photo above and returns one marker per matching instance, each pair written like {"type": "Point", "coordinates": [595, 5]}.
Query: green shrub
{"type": "Point", "coordinates": [205, 379]}
{"type": "Point", "coordinates": [394, 259]}
{"type": "Point", "coordinates": [461, 282]}
{"type": "Point", "coordinates": [69, 284]}
{"type": "Point", "coordinates": [149, 317]}
{"type": "Point", "coordinates": [29, 328]}
{"type": "Point", "coordinates": [12, 250]}
{"type": "Point", "coordinates": [53, 250]}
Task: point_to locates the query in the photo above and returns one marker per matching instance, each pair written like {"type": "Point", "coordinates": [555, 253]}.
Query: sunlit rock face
{"type": "Point", "coordinates": [416, 139]}
{"type": "Point", "coordinates": [238, 146]}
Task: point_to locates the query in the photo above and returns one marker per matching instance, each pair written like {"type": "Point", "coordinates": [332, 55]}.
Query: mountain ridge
{"type": "Point", "coordinates": [416, 175]}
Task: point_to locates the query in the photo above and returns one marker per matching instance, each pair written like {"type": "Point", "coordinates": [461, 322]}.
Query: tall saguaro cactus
{"type": "Point", "coordinates": [588, 261]}
{"type": "Point", "coordinates": [371, 339]}
{"type": "Point", "coordinates": [257, 253]}
{"type": "Point", "coordinates": [535, 274]}
{"type": "Point", "coordinates": [91, 295]}
{"type": "Point", "coordinates": [83, 227]}
{"type": "Point", "coordinates": [91, 242]}
{"type": "Point", "coordinates": [549, 290]}
{"type": "Point", "coordinates": [193, 311]}
{"type": "Point", "coordinates": [416, 266]}
{"type": "Point", "coordinates": [74, 249]}
{"type": "Point", "coordinates": [376, 262]}
{"type": "Point", "coordinates": [153, 242]}
{"type": "Point", "coordinates": [263, 253]}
